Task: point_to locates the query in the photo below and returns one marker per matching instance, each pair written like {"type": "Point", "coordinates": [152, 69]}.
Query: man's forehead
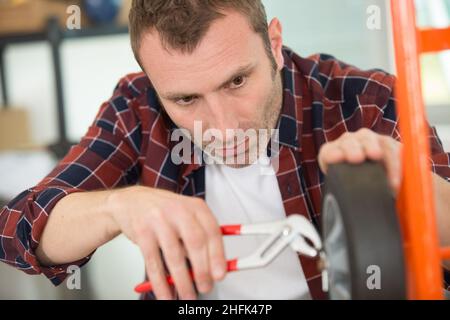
{"type": "Point", "coordinates": [229, 43]}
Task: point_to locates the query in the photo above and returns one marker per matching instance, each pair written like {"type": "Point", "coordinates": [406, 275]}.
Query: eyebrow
{"type": "Point", "coordinates": [246, 69]}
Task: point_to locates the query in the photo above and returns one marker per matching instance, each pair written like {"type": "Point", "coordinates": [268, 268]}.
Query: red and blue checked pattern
{"type": "Point", "coordinates": [129, 143]}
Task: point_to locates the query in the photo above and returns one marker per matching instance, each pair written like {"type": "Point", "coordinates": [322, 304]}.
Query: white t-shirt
{"type": "Point", "coordinates": [243, 196]}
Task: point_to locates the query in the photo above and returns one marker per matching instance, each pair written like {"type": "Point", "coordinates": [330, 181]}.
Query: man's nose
{"type": "Point", "coordinates": [223, 117]}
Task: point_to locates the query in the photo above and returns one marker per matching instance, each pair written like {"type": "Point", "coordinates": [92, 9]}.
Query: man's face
{"type": "Point", "coordinates": [227, 82]}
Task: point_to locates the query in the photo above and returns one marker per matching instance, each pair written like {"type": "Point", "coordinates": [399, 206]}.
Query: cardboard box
{"type": "Point", "coordinates": [26, 16]}
{"type": "Point", "coordinates": [14, 129]}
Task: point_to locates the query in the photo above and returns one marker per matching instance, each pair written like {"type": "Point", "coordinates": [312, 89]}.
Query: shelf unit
{"type": "Point", "coordinates": [55, 36]}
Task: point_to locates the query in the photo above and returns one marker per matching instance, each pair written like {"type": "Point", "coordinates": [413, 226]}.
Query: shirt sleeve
{"type": "Point", "coordinates": [106, 157]}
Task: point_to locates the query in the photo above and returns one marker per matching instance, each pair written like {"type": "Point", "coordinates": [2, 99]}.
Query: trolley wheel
{"type": "Point", "coordinates": [361, 234]}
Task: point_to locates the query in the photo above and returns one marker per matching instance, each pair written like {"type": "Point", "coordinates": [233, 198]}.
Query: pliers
{"type": "Point", "coordinates": [291, 231]}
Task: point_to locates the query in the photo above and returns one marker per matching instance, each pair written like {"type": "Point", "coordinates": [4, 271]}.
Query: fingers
{"type": "Point", "coordinates": [191, 231]}
{"type": "Point", "coordinates": [216, 251]}
{"type": "Point", "coordinates": [371, 143]}
{"type": "Point", "coordinates": [347, 148]}
{"type": "Point", "coordinates": [363, 145]}
{"type": "Point", "coordinates": [154, 266]}
{"type": "Point", "coordinates": [196, 243]}
{"type": "Point", "coordinates": [353, 149]}
{"type": "Point", "coordinates": [392, 161]}
{"type": "Point", "coordinates": [330, 153]}
{"type": "Point", "coordinates": [175, 258]}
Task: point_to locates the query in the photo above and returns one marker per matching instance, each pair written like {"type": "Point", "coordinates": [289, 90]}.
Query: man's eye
{"type": "Point", "coordinates": [237, 82]}
{"type": "Point", "coordinates": [185, 101]}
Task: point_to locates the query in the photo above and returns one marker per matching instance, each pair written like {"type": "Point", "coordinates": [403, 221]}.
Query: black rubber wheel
{"type": "Point", "coordinates": [361, 234]}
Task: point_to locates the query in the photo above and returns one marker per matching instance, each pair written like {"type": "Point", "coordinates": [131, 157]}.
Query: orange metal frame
{"type": "Point", "coordinates": [415, 204]}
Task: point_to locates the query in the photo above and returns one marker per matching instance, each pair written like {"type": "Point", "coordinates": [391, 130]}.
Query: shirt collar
{"type": "Point", "coordinates": [290, 119]}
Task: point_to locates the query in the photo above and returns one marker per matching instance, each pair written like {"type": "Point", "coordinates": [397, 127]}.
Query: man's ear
{"type": "Point", "coordinates": [276, 41]}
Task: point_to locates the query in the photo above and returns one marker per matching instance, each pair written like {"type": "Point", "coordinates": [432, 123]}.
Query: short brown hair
{"type": "Point", "coordinates": [183, 23]}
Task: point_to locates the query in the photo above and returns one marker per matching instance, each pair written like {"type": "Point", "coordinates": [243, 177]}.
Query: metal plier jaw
{"type": "Point", "coordinates": [292, 231]}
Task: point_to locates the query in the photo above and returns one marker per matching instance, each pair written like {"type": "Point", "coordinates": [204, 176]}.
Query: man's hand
{"type": "Point", "coordinates": [357, 147]}
{"type": "Point", "coordinates": [178, 225]}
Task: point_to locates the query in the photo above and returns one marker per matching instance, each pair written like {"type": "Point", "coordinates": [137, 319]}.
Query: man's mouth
{"type": "Point", "coordinates": [234, 149]}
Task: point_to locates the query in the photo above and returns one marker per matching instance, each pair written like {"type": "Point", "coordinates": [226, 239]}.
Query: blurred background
{"type": "Point", "coordinates": [54, 75]}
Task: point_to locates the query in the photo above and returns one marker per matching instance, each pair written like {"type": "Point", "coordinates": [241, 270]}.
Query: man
{"type": "Point", "coordinates": [218, 63]}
